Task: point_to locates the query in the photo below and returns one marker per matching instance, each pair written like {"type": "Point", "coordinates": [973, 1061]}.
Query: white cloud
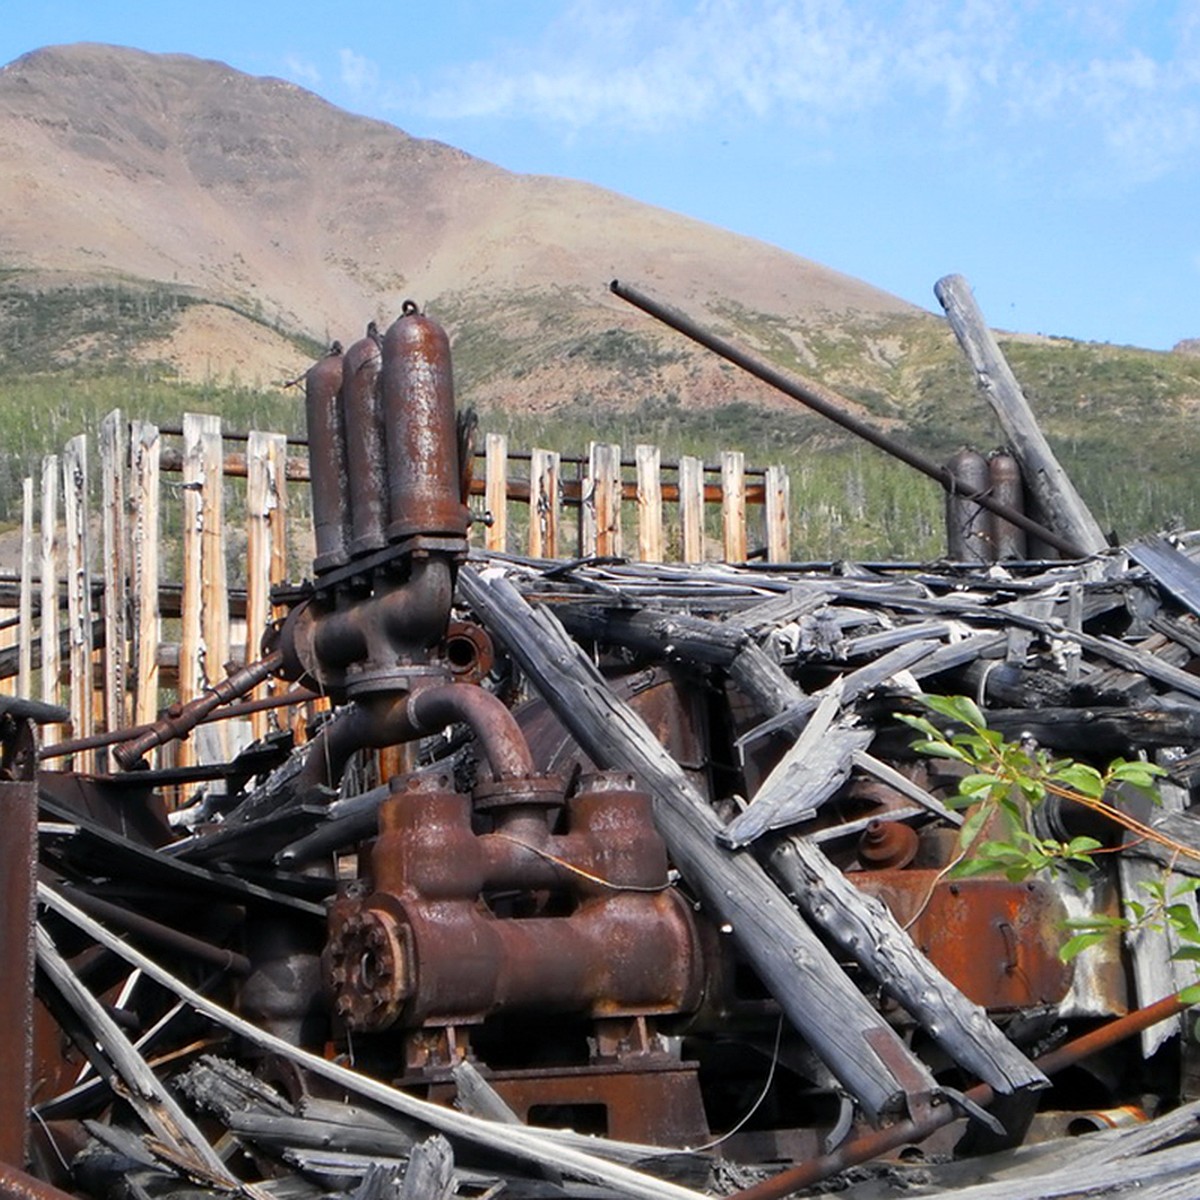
{"type": "Point", "coordinates": [302, 71]}
{"type": "Point", "coordinates": [359, 73]}
{"type": "Point", "coordinates": [1122, 77]}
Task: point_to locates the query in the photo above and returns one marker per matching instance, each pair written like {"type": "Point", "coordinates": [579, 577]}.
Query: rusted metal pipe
{"type": "Point", "coordinates": [424, 483]}
{"type": "Point", "coordinates": [244, 709]}
{"type": "Point", "coordinates": [829, 404]}
{"type": "Point", "coordinates": [327, 465]}
{"type": "Point", "coordinates": [968, 536]}
{"type": "Point", "coordinates": [15, 1184]}
{"type": "Point", "coordinates": [367, 478]}
{"type": "Point", "coordinates": [180, 724]}
{"type": "Point", "coordinates": [877, 1142]}
{"type": "Point", "coordinates": [18, 879]}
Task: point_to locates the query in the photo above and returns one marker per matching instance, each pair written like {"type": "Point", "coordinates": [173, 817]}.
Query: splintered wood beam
{"type": "Point", "coordinates": [1061, 506]}
{"type": "Point", "coordinates": [851, 1038]}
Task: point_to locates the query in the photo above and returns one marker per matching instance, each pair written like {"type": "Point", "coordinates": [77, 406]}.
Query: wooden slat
{"type": "Point", "coordinates": [51, 660]}
{"type": "Point", "coordinates": [114, 453]}
{"type": "Point", "coordinates": [649, 504]}
{"type": "Point", "coordinates": [496, 499]}
{"type": "Point", "coordinates": [587, 506]}
{"type": "Point", "coordinates": [545, 505]}
{"type": "Point", "coordinates": [79, 585]}
{"type": "Point", "coordinates": [266, 547]}
{"type": "Point", "coordinates": [147, 632]}
{"type": "Point", "coordinates": [778, 507]}
{"type": "Point", "coordinates": [205, 637]}
{"type": "Point", "coordinates": [691, 507]}
{"type": "Point", "coordinates": [25, 603]}
{"type": "Point", "coordinates": [607, 476]}
{"type": "Point", "coordinates": [733, 505]}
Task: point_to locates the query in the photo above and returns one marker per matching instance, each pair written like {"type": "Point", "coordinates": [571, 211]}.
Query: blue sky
{"type": "Point", "coordinates": [1050, 152]}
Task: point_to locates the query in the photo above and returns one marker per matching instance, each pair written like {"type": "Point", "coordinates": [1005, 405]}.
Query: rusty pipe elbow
{"type": "Point", "coordinates": [500, 737]}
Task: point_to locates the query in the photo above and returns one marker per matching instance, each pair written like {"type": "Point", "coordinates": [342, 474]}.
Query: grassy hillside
{"type": "Point", "coordinates": [1122, 419]}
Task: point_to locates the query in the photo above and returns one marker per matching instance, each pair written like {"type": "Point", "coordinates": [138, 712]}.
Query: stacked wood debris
{"type": "Point", "coordinates": [144, 964]}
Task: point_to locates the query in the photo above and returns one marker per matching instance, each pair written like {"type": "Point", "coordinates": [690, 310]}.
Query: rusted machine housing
{"type": "Point", "coordinates": [523, 896]}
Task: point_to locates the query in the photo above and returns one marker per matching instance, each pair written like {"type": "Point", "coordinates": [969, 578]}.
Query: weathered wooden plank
{"type": "Point", "coordinates": [79, 584]}
{"type": "Point", "coordinates": [605, 463]}
{"type": "Point", "coordinates": [832, 1015]}
{"type": "Point", "coordinates": [545, 503]}
{"type": "Point", "coordinates": [114, 455]}
{"type": "Point", "coordinates": [1173, 570]}
{"type": "Point", "coordinates": [266, 548]}
{"type": "Point", "coordinates": [649, 503]}
{"type": "Point", "coordinates": [733, 505]}
{"type": "Point", "coordinates": [496, 493]}
{"type": "Point", "coordinates": [51, 660]}
{"type": "Point", "coordinates": [25, 604]}
{"type": "Point", "coordinates": [147, 634]}
{"type": "Point", "coordinates": [1060, 504]}
{"type": "Point", "coordinates": [777, 508]}
{"type": "Point", "coordinates": [691, 508]}
{"type": "Point", "coordinates": [430, 1173]}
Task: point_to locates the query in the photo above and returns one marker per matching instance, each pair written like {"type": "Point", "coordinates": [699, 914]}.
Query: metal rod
{"type": "Point", "coordinates": [829, 404]}
{"type": "Point", "coordinates": [880, 1141]}
{"type": "Point", "coordinates": [243, 709]}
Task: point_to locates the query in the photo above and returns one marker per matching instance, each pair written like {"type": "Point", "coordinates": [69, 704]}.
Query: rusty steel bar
{"type": "Point", "coordinates": [180, 724]}
{"type": "Point", "coordinates": [18, 870]}
{"type": "Point", "coordinates": [15, 1184]}
{"type": "Point", "coordinates": [244, 709]}
{"type": "Point", "coordinates": [872, 1145]}
{"type": "Point", "coordinates": [829, 404]}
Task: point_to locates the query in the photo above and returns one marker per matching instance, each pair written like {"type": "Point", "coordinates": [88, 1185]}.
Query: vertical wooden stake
{"type": "Point", "coordinates": [266, 560]}
{"type": "Point", "coordinates": [777, 505]}
{"type": "Point", "coordinates": [147, 634]}
{"type": "Point", "coordinates": [79, 585]}
{"type": "Point", "coordinates": [733, 505]}
{"type": "Point", "coordinates": [588, 523]}
{"type": "Point", "coordinates": [544, 505]}
{"type": "Point", "coordinates": [51, 662]}
{"type": "Point", "coordinates": [25, 601]}
{"type": "Point", "coordinates": [114, 453]}
{"type": "Point", "coordinates": [496, 491]}
{"type": "Point", "coordinates": [607, 496]}
{"type": "Point", "coordinates": [691, 507]}
{"type": "Point", "coordinates": [204, 647]}
{"type": "Point", "coordinates": [649, 504]}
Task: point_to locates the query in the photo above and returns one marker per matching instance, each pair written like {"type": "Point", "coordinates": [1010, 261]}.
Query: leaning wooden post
{"type": "Point", "coordinates": [1060, 505]}
{"type": "Point", "coordinates": [79, 585]}
{"type": "Point", "coordinates": [733, 505]}
{"type": "Point", "coordinates": [544, 504]}
{"type": "Point", "coordinates": [25, 600]}
{"type": "Point", "coordinates": [777, 505]}
{"type": "Point", "coordinates": [649, 503]}
{"type": "Point", "coordinates": [114, 453]}
{"type": "Point", "coordinates": [51, 663]}
{"type": "Point", "coordinates": [144, 443]}
{"type": "Point", "coordinates": [496, 491]}
{"type": "Point", "coordinates": [691, 507]}
{"type": "Point", "coordinates": [266, 546]}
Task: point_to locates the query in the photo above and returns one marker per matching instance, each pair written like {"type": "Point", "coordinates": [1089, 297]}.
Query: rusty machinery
{"type": "Point", "coordinates": [511, 903]}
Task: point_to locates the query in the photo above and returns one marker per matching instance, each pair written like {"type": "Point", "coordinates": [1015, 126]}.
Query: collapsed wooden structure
{"type": "Point", "coordinates": [638, 849]}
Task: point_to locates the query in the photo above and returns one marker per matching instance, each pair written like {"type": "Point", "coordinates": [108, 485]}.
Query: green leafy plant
{"type": "Point", "coordinates": [1006, 784]}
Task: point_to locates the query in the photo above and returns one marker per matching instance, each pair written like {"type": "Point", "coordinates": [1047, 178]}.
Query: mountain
{"type": "Point", "coordinates": [256, 193]}
{"type": "Point", "coordinates": [170, 221]}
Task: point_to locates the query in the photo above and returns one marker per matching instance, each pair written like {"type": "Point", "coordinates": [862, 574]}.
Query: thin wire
{"type": "Point", "coordinates": [37, 1116]}
{"type": "Point", "coordinates": [757, 1103]}
{"type": "Point", "coordinates": [574, 870]}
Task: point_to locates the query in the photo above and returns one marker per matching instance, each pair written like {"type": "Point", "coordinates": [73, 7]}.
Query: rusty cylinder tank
{"type": "Point", "coordinates": [327, 461]}
{"type": "Point", "coordinates": [968, 536]}
{"type": "Point", "coordinates": [422, 440]}
{"type": "Point", "coordinates": [1007, 486]}
{"type": "Point", "coordinates": [362, 407]}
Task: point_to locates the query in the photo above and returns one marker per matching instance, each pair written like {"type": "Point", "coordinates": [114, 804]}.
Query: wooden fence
{"type": "Point", "coordinates": [154, 598]}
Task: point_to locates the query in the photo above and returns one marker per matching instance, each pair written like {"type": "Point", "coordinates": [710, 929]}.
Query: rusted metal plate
{"type": "Point", "coordinates": [996, 941]}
